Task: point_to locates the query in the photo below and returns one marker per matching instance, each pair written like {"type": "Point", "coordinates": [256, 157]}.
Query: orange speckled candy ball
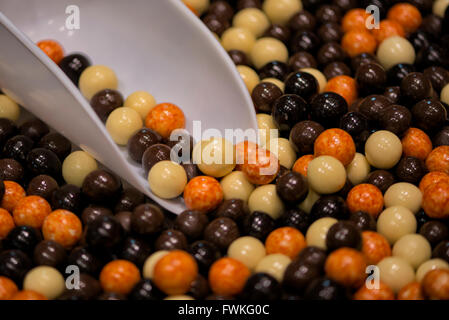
{"type": "Point", "coordinates": [407, 15]}
{"type": "Point", "coordinates": [365, 197]}
{"type": "Point", "coordinates": [7, 288]}
{"type": "Point", "coordinates": [203, 194]}
{"type": "Point", "coordinates": [13, 194]}
{"type": "Point", "coordinates": [263, 169]}
{"type": "Point", "coordinates": [227, 276]}
{"type": "Point", "coordinates": [244, 151]}
{"type": "Point", "coordinates": [175, 272]}
{"type": "Point", "coordinates": [435, 284]}
{"type": "Point", "coordinates": [384, 292]}
{"type": "Point", "coordinates": [28, 295]}
{"type": "Point", "coordinates": [31, 211]}
{"type": "Point", "coordinates": [438, 159]}
{"type": "Point", "coordinates": [375, 247]}
{"type": "Point", "coordinates": [435, 200]}
{"type": "Point", "coordinates": [302, 164]}
{"type": "Point", "coordinates": [412, 291]}
{"type": "Point", "coordinates": [347, 267]}
{"type": "Point", "coordinates": [119, 276]}
{"type": "Point", "coordinates": [63, 227]}
{"type": "Point", "coordinates": [432, 178]}
{"type": "Point", "coordinates": [388, 28]}
{"type": "Point", "coordinates": [416, 143]}
{"type": "Point", "coordinates": [52, 49]}
{"type": "Point", "coordinates": [6, 223]}
{"type": "Point", "coordinates": [164, 118]}
{"type": "Point", "coordinates": [356, 42]}
{"type": "Point", "coordinates": [336, 143]}
{"type": "Point", "coordinates": [287, 240]}
{"type": "Point", "coordinates": [344, 86]}
{"type": "Point", "coordinates": [354, 19]}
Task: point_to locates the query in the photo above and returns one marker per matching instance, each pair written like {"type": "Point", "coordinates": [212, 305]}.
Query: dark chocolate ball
{"type": "Point", "coordinates": [371, 78]}
{"type": "Point", "coordinates": [410, 169]}
{"type": "Point", "coordinates": [336, 68]}
{"type": "Point", "coordinates": [129, 199]}
{"type": "Point", "coordinates": [373, 107]}
{"type": "Point", "coordinates": [43, 161]}
{"type": "Point", "coordinates": [50, 253]}
{"type": "Point", "coordinates": [282, 170]}
{"type": "Point", "coordinates": [261, 286]}
{"type": "Point", "coordinates": [89, 288]}
{"type": "Point", "coordinates": [191, 170]}
{"type": "Point", "coordinates": [304, 134]}
{"type": "Point", "coordinates": [205, 253]}
{"type": "Point", "coordinates": [7, 130]}
{"type": "Point", "coordinates": [67, 197]}
{"type": "Point", "coordinates": [305, 40]}
{"type": "Point", "coordinates": [274, 69]}
{"type": "Point", "coordinates": [330, 52]}
{"type": "Point", "coordinates": [441, 138]}
{"type": "Point", "coordinates": [73, 65]}
{"type": "Point", "coordinates": [259, 225]}
{"type": "Point", "coordinates": [124, 218]}
{"type": "Point", "coordinates": [329, 32]}
{"type": "Point", "coordinates": [327, 108]}
{"type": "Point", "coordinates": [154, 154]}
{"type": "Point", "coordinates": [221, 232]}
{"type": "Point", "coordinates": [292, 187]}
{"type": "Point", "coordinates": [106, 101]}
{"type": "Point", "coordinates": [382, 179]}
{"type": "Point", "coordinates": [17, 148]}
{"type": "Point", "coordinates": [302, 20]}
{"type": "Point", "coordinates": [393, 94]}
{"type": "Point", "coordinates": [295, 218]}
{"type": "Point", "coordinates": [432, 55]}
{"type": "Point", "coordinates": [421, 218]}
{"type": "Point", "coordinates": [93, 212]}
{"type": "Point", "coordinates": [343, 234]}
{"type": "Point", "coordinates": [222, 9]}
{"type": "Point", "coordinates": [432, 24]}
{"type": "Point", "coordinates": [396, 119]}
{"type": "Point", "coordinates": [441, 251]}
{"type": "Point", "coordinates": [438, 76]}
{"type": "Point", "coordinates": [104, 232]}
{"type": "Point", "coordinates": [420, 39]}
{"type": "Point", "coordinates": [300, 60]}
{"type": "Point", "coordinates": [191, 223]}
{"type": "Point", "coordinates": [429, 114]}
{"type": "Point", "coordinates": [415, 87]}
{"type": "Point", "coordinates": [313, 256]}
{"type": "Point", "coordinates": [354, 123]}
{"type": "Point", "coordinates": [302, 84]}
{"type": "Point", "coordinates": [234, 209]}
{"type": "Point", "coordinates": [328, 13]}
{"type": "Point", "coordinates": [346, 5]}
{"type": "Point", "coordinates": [238, 57]}
{"type": "Point", "coordinates": [288, 110]}
{"type": "Point", "coordinates": [330, 206]}
{"type": "Point", "coordinates": [199, 289]}
{"type": "Point", "coordinates": [57, 143]}
{"type": "Point", "coordinates": [361, 59]}
{"type": "Point", "coordinates": [264, 95]}
{"type": "Point", "coordinates": [215, 24]}
{"type": "Point", "coordinates": [325, 289]}
{"type": "Point", "coordinates": [312, 5]}
{"type": "Point", "coordinates": [243, 4]}
{"type": "Point", "coordinates": [134, 250]}
{"type": "Point", "coordinates": [398, 72]}
{"type": "Point", "coordinates": [363, 220]}
{"type": "Point", "coordinates": [145, 289]}
{"type": "Point", "coordinates": [100, 186]}
{"type": "Point", "coordinates": [14, 264]}
{"type": "Point", "coordinates": [434, 232]}
{"type": "Point", "coordinates": [279, 32]}
{"type": "Point", "coordinates": [11, 170]}
{"type": "Point", "coordinates": [141, 141]}
{"type": "Point", "coordinates": [86, 261]}
{"type": "Point", "coordinates": [298, 275]}
{"type": "Point", "coordinates": [147, 219]}
{"type": "Point", "coordinates": [34, 129]}
{"type": "Point", "coordinates": [23, 238]}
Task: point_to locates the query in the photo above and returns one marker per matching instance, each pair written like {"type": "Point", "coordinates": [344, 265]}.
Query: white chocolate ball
{"type": "Point", "coordinates": [283, 151]}
{"type": "Point", "coordinates": [383, 149]}
{"type": "Point", "coordinates": [326, 175]}
{"type": "Point", "coordinates": [358, 169]}
{"type": "Point", "coordinates": [122, 124]}
{"type": "Point", "coordinates": [247, 250]}
{"type": "Point", "coordinates": [9, 109]}
{"type": "Point", "coordinates": [395, 222]}
{"type": "Point", "coordinates": [238, 39]}
{"type": "Point", "coordinates": [214, 157]}
{"type": "Point", "coordinates": [280, 11]}
{"type": "Point", "coordinates": [394, 50]}
{"type": "Point", "coordinates": [167, 179]}
{"type": "Point", "coordinates": [45, 280]}
{"type": "Point", "coordinates": [265, 199]}
{"type": "Point", "coordinates": [309, 201]}
{"type": "Point", "coordinates": [439, 7]}
{"type": "Point", "coordinates": [413, 248]}
{"type": "Point", "coordinates": [236, 186]}
{"type": "Point", "coordinates": [266, 124]}
{"type": "Point", "coordinates": [268, 49]}
{"type": "Point", "coordinates": [317, 232]}
{"type": "Point", "coordinates": [403, 194]}
{"type": "Point", "coordinates": [445, 94]}
{"type": "Point", "coordinates": [150, 263]}
{"type": "Point", "coordinates": [395, 272]}
{"type": "Point", "coordinates": [77, 166]}
{"type": "Point", "coordinates": [200, 6]}
{"type": "Point", "coordinates": [96, 78]}
{"type": "Point", "coordinates": [249, 76]}
{"type": "Point", "coordinates": [319, 76]}
{"type": "Point", "coordinates": [252, 19]}
{"type": "Point", "coordinates": [274, 264]}
{"type": "Point", "coordinates": [430, 265]}
{"type": "Point", "coordinates": [141, 101]}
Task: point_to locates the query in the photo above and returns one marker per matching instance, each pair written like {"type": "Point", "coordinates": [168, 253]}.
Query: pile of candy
{"type": "Point", "coordinates": [358, 179]}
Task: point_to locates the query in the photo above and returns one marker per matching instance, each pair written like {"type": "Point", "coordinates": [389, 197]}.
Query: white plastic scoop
{"type": "Point", "coordinates": [154, 45]}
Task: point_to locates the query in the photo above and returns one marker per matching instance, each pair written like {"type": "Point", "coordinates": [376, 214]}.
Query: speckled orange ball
{"type": "Point", "coordinates": [354, 19]}
{"type": "Point", "coordinates": [416, 143]}
{"type": "Point", "coordinates": [263, 169]}
{"type": "Point", "coordinates": [287, 240]}
{"type": "Point", "coordinates": [302, 164]}
{"type": "Point", "coordinates": [6, 223]}
{"type": "Point", "coordinates": [432, 178]}
{"type": "Point", "coordinates": [407, 15]}
{"type": "Point", "coordinates": [244, 151]}
{"type": "Point", "coordinates": [344, 86]}
{"type": "Point", "coordinates": [375, 247]}
{"type": "Point", "coordinates": [438, 159]}
{"type": "Point", "coordinates": [175, 272]}
{"type": "Point", "coordinates": [347, 267]}
{"type": "Point", "coordinates": [227, 276]}
{"type": "Point", "coordinates": [52, 49]}
{"type": "Point", "coordinates": [435, 284]}
{"type": "Point", "coordinates": [336, 143]}
{"type": "Point", "coordinates": [412, 291]}
{"type": "Point", "coordinates": [28, 295]}
{"type": "Point", "coordinates": [31, 211]}
{"type": "Point", "coordinates": [63, 227]}
{"type": "Point", "coordinates": [435, 200]}
{"type": "Point", "coordinates": [384, 292]}
{"type": "Point", "coordinates": [13, 194]}
{"type": "Point", "coordinates": [119, 276]}
{"type": "Point", "coordinates": [164, 118]}
{"type": "Point", "coordinates": [7, 288]}
{"type": "Point", "coordinates": [356, 42]}
{"type": "Point", "coordinates": [203, 194]}
{"type": "Point", "coordinates": [388, 28]}
{"type": "Point", "coordinates": [365, 197]}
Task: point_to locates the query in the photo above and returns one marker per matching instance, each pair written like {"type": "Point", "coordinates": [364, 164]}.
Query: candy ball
{"type": "Point", "coordinates": [395, 50]}
{"type": "Point", "coordinates": [249, 76]}
{"type": "Point", "coordinates": [383, 292]}
{"type": "Point", "coordinates": [6, 223]}
{"type": "Point", "coordinates": [45, 280]}
{"type": "Point", "coordinates": [261, 166]}
{"type": "Point", "coordinates": [336, 143]}
{"type": "Point", "coordinates": [395, 222]}
{"type": "Point", "coordinates": [31, 211]}
{"type": "Point", "coordinates": [319, 76]}
{"type": "Point", "coordinates": [280, 11]}
{"type": "Point", "coordinates": [266, 123]}
{"type": "Point", "coordinates": [413, 248]}
{"type": "Point", "coordinates": [63, 227]}
{"type": "Point", "coordinates": [266, 50]}
{"type": "Point", "coordinates": [436, 200]}
{"type": "Point", "coordinates": [276, 82]}
{"type": "Point", "coordinates": [354, 19]}
{"type": "Point", "coordinates": [247, 250]}
{"type": "Point", "coordinates": [238, 39]}
{"type": "Point", "coordinates": [274, 265]}
{"type": "Point", "coordinates": [96, 78]}
{"type": "Point", "coordinates": [432, 178]}
{"type": "Point", "coordinates": [439, 7]}
{"type": "Point", "coordinates": [358, 170]}
{"type": "Point", "coordinates": [9, 109]}
{"type": "Point", "coordinates": [411, 291]}
{"type": "Point", "coordinates": [214, 157]}
{"type": "Point", "coordinates": [317, 232]}
{"type": "Point", "coordinates": [52, 49]}
{"type": "Point", "coordinates": [438, 159]}
{"type": "Point", "coordinates": [436, 284]}
{"type": "Point", "coordinates": [383, 149]}
{"type": "Point", "coordinates": [430, 265]}
{"type": "Point", "coordinates": [416, 143]}
{"type": "Point", "coordinates": [266, 199]}
{"type": "Point", "coordinates": [122, 124]}
{"type": "Point", "coordinates": [287, 240]}
{"type": "Point", "coordinates": [347, 267]}
{"type": "Point", "coordinates": [167, 179]}
{"type": "Point", "coordinates": [119, 276]}
{"type": "Point", "coordinates": [236, 186]}
{"type": "Point", "coordinates": [77, 166]}
{"type": "Point", "coordinates": [404, 194]}
{"type": "Point", "coordinates": [388, 28]}
{"type": "Point", "coordinates": [326, 175]}
{"type": "Point", "coordinates": [13, 194]}
{"type": "Point", "coordinates": [396, 272]}
{"type": "Point", "coordinates": [375, 247]}
{"type": "Point", "coordinates": [355, 42]}
{"type": "Point", "coordinates": [302, 164]}
{"type": "Point", "coordinates": [252, 19]}
{"type": "Point", "coordinates": [7, 288]}
{"type": "Point", "coordinates": [407, 15]}
{"type": "Point", "coordinates": [227, 276]}
{"type": "Point", "coordinates": [150, 263]}
{"type": "Point", "coordinates": [345, 86]}
{"type": "Point", "coordinates": [203, 194]}
{"type": "Point", "coordinates": [309, 201]}
{"type": "Point", "coordinates": [141, 101]}
{"type": "Point", "coordinates": [283, 150]}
